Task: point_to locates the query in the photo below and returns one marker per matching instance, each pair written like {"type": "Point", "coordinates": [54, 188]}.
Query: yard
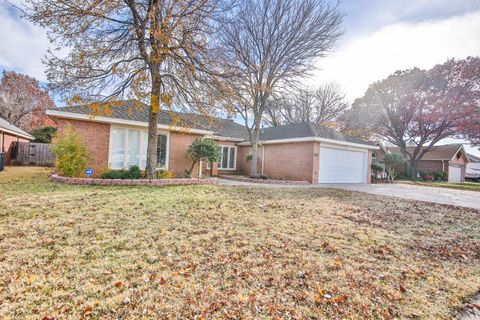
{"type": "Point", "coordinates": [228, 252]}
{"type": "Point", "coordinates": [470, 186]}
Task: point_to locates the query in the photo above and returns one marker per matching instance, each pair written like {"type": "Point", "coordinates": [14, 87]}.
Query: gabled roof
{"type": "Point", "coordinates": [7, 127]}
{"type": "Point", "coordinates": [444, 152]}
{"type": "Point", "coordinates": [307, 129]}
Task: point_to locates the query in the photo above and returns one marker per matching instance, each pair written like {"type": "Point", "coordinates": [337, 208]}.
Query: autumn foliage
{"type": "Point", "coordinates": [421, 107]}
{"type": "Point", "coordinates": [23, 102]}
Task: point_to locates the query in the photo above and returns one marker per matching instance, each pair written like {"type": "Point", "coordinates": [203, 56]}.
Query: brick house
{"type": "Point", "coordinates": [8, 135]}
{"type": "Point", "coordinates": [117, 139]}
{"type": "Point", "coordinates": [451, 159]}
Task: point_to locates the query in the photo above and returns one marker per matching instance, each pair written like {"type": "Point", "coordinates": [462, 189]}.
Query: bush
{"type": "Point", "coordinates": [132, 173]}
{"type": "Point", "coordinates": [202, 149]}
{"type": "Point", "coordinates": [164, 174]}
{"type": "Point", "coordinates": [428, 177]}
{"type": "Point", "coordinates": [44, 134]}
{"type": "Point", "coordinates": [378, 167]}
{"type": "Point", "coordinates": [440, 175]}
{"type": "Point", "coordinates": [71, 155]}
{"type": "Point", "coordinates": [260, 176]}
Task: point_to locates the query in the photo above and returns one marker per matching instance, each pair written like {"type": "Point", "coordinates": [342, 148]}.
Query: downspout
{"type": "Point", "coordinates": [263, 155]}
{"type": "Point", "coordinates": [200, 165]}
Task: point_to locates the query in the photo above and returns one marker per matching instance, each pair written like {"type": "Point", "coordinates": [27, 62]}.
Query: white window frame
{"type": "Point", "coordinates": [219, 164]}
{"type": "Point", "coordinates": [142, 133]}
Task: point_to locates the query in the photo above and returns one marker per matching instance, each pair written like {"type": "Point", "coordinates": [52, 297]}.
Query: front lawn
{"type": "Point", "coordinates": [228, 252]}
{"type": "Point", "coordinates": [471, 186]}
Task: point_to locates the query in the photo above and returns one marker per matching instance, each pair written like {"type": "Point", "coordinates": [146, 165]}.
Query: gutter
{"type": "Point", "coordinates": [17, 134]}
{"type": "Point", "coordinates": [316, 139]}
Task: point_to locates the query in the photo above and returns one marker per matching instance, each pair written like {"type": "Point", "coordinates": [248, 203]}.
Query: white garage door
{"type": "Point", "coordinates": [342, 166]}
{"type": "Point", "coordinates": [454, 174]}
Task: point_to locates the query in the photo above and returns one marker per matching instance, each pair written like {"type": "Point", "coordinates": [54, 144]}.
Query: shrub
{"type": "Point", "coordinates": [44, 134]}
{"type": "Point", "coordinates": [113, 175]}
{"type": "Point", "coordinates": [164, 174]}
{"type": "Point", "coordinates": [71, 155]}
{"type": "Point", "coordinates": [132, 173]}
{"type": "Point", "coordinates": [378, 167]}
{"type": "Point", "coordinates": [428, 177]}
{"type": "Point", "coordinates": [202, 149]}
{"type": "Point", "coordinates": [440, 175]}
{"type": "Point", "coordinates": [391, 161]}
{"type": "Point", "coordinates": [260, 176]}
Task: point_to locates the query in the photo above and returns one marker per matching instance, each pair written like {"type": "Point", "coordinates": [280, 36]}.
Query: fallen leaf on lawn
{"type": "Point", "coordinates": [118, 284]}
{"type": "Point", "coordinates": [87, 310]}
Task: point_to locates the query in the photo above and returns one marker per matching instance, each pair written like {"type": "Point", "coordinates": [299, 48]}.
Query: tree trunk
{"type": "Point", "coordinates": [413, 166]}
{"type": "Point", "coordinates": [254, 138]}
{"type": "Point", "coordinates": [253, 170]}
{"type": "Point", "coordinates": [152, 127]}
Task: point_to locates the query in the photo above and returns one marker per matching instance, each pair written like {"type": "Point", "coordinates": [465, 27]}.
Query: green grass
{"type": "Point", "coordinates": [70, 252]}
{"type": "Point", "coordinates": [471, 186]}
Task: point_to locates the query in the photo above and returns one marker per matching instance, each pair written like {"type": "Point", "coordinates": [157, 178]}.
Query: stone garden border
{"type": "Point", "coordinates": [132, 182]}
{"type": "Point", "coordinates": [261, 181]}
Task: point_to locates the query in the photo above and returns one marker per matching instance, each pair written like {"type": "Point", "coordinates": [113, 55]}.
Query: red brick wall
{"type": "Point", "coordinates": [7, 147]}
{"type": "Point", "coordinates": [289, 161]}
{"type": "Point", "coordinates": [432, 166]}
{"type": "Point", "coordinates": [96, 137]}
{"type": "Point", "coordinates": [177, 159]}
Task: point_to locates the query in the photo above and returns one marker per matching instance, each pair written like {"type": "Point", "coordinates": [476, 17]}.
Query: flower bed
{"type": "Point", "coordinates": [132, 182]}
{"type": "Point", "coordinates": [263, 181]}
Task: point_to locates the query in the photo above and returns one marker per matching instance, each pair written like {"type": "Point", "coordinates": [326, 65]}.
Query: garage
{"type": "Point", "coordinates": [342, 165]}
{"type": "Point", "coordinates": [455, 173]}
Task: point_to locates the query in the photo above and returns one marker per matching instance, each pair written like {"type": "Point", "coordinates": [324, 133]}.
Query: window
{"type": "Point", "coordinates": [162, 150]}
{"type": "Point", "coordinates": [128, 147]}
{"type": "Point", "coordinates": [228, 160]}
{"type": "Point", "coordinates": [374, 157]}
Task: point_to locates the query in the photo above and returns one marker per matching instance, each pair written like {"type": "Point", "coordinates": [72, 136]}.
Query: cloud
{"type": "Point", "coordinates": [368, 58]}
{"type": "Point", "coordinates": [22, 44]}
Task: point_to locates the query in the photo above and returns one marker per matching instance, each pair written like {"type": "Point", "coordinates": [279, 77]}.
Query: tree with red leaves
{"type": "Point", "coordinates": [422, 107]}
{"type": "Point", "coordinates": [23, 102]}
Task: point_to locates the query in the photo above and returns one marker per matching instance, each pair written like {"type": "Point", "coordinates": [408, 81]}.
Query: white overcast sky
{"type": "Point", "coordinates": [381, 36]}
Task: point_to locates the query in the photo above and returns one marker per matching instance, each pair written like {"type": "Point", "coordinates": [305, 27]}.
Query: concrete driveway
{"type": "Point", "coordinates": [469, 199]}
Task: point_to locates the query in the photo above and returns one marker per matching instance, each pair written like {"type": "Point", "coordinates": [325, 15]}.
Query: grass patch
{"type": "Point", "coordinates": [228, 252]}
{"type": "Point", "coordinates": [471, 186]}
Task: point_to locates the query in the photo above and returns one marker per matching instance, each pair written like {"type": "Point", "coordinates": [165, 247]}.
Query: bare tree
{"type": "Point", "coordinates": [271, 45]}
{"type": "Point", "coordinates": [23, 101]}
{"type": "Point", "coordinates": [156, 51]}
{"type": "Point", "coordinates": [321, 106]}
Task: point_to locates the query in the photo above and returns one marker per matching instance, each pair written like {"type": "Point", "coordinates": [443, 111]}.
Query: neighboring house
{"type": "Point", "coordinates": [118, 139]}
{"type": "Point", "coordinates": [8, 135]}
{"type": "Point", "coordinates": [473, 168]}
{"type": "Point", "coordinates": [451, 159]}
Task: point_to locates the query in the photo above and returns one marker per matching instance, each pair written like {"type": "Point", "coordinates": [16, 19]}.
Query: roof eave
{"type": "Point", "coordinates": [18, 134]}
{"type": "Point", "coordinates": [316, 139]}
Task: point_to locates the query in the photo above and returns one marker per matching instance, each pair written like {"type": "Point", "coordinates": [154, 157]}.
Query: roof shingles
{"type": "Point", "coordinates": [130, 110]}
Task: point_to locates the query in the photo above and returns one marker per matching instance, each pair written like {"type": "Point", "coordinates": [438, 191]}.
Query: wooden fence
{"type": "Point", "coordinates": [32, 154]}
